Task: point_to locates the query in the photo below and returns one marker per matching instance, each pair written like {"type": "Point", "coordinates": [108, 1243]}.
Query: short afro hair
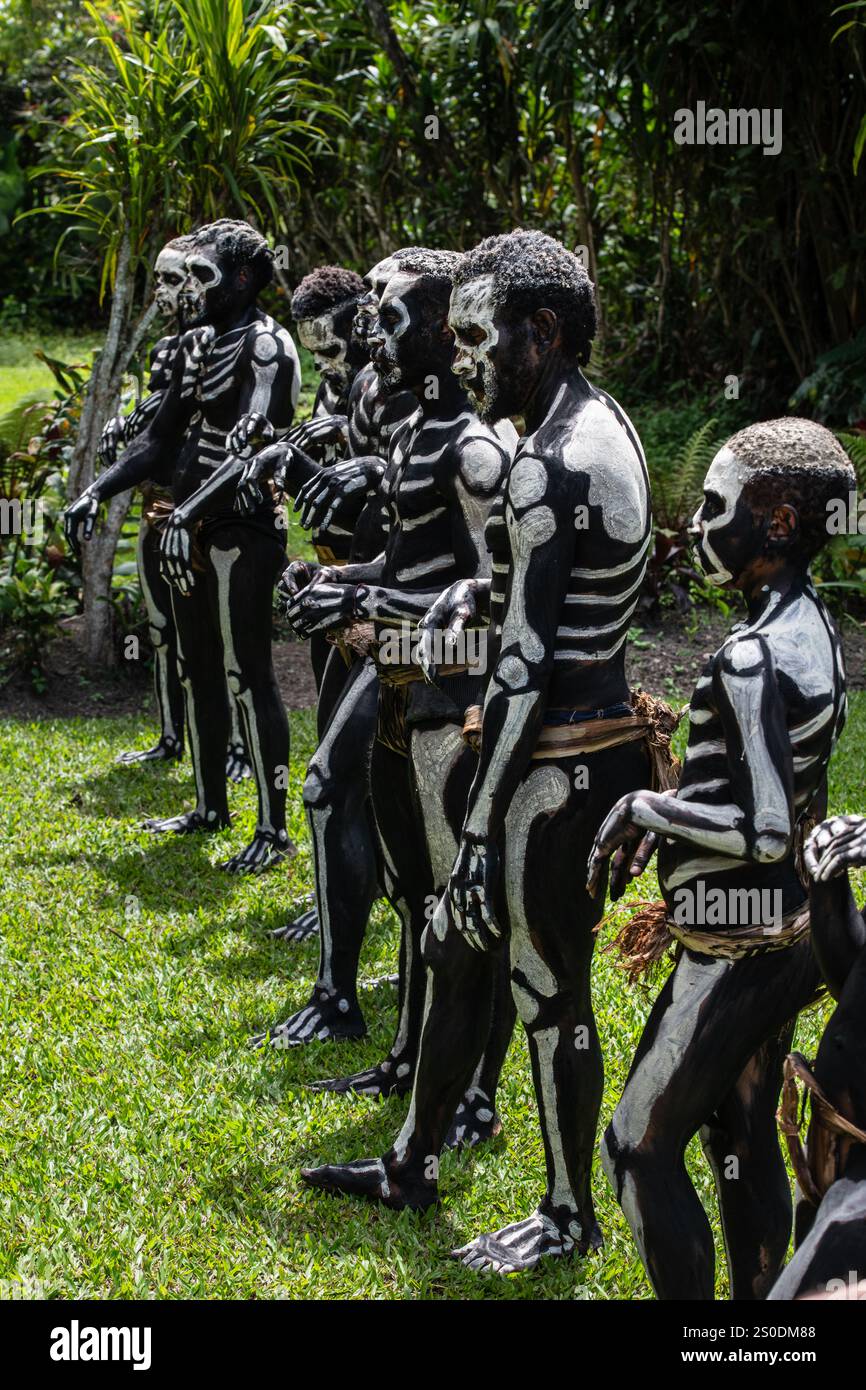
{"type": "Point", "coordinates": [240, 245]}
{"type": "Point", "coordinates": [184, 242]}
{"type": "Point", "coordinates": [326, 288]}
{"type": "Point", "coordinates": [532, 271]}
{"type": "Point", "coordinates": [795, 462]}
{"type": "Point", "coordinates": [435, 271]}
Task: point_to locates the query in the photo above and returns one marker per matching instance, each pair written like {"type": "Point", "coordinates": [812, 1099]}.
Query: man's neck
{"type": "Point", "coordinates": [780, 579]}
{"type": "Point", "coordinates": [239, 318]}
{"type": "Point", "coordinates": [450, 401]}
{"type": "Point", "coordinates": [556, 374]}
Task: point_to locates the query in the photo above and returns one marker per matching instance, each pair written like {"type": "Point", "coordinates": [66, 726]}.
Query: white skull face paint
{"type": "Point", "coordinates": [168, 275]}
{"type": "Point", "coordinates": [723, 488]}
{"type": "Point", "coordinates": [377, 278]}
{"type": "Point", "coordinates": [391, 325]}
{"type": "Point", "coordinates": [328, 348]}
{"type": "Point", "coordinates": [203, 275]}
{"type": "Point", "coordinates": [368, 305]}
{"type": "Point", "coordinates": [470, 318]}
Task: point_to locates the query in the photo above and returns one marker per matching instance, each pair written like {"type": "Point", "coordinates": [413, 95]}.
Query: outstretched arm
{"type": "Point", "coordinates": [758, 823]}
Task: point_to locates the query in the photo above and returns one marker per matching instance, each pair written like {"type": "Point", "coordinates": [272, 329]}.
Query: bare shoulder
{"type": "Point", "coordinates": [266, 340]}
{"type": "Point", "coordinates": [483, 458]}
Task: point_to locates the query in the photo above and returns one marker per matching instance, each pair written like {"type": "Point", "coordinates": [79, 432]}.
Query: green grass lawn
{"type": "Point", "coordinates": [145, 1150]}
{"type": "Point", "coordinates": [24, 378]}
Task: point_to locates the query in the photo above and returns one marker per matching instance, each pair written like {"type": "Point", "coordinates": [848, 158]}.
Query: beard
{"type": "Point", "coordinates": [387, 370]}
{"type": "Point", "coordinates": [499, 395]}
{"type": "Point", "coordinates": [199, 309]}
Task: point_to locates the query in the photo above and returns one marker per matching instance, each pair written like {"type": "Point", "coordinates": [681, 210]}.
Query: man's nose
{"type": "Point", "coordinates": [461, 363]}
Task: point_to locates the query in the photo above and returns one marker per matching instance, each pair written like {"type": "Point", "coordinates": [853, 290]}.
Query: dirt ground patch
{"type": "Point", "coordinates": [73, 690]}
{"type": "Point", "coordinates": [671, 656]}
{"type": "Point", "coordinates": [665, 660]}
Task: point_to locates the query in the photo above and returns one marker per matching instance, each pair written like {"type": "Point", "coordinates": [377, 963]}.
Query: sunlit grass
{"type": "Point", "coordinates": [145, 1151]}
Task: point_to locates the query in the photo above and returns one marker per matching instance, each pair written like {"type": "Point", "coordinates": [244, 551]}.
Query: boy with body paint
{"type": "Point", "coordinates": [764, 718]}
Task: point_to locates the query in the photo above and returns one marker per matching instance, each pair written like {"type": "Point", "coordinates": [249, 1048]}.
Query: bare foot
{"type": "Point", "coordinates": [389, 1078]}
{"type": "Point", "coordinates": [370, 1178]}
{"type": "Point", "coordinates": [187, 823]}
{"type": "Point", "coordinates": [266, 850]}
{"type": "Point", "coordinates": [475, 1121]}
{"type": "Point", "coordinates": [327, 1015]}
{"type": "Point", "coordinates": [553, 1231]}
{"type": "Point", "coordinates": [300, 928]}
{"type": "Point", "coordinates": [166, 751]}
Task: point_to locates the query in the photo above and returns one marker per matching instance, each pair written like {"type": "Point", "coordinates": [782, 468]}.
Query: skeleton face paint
{"type": "Point", "coordinates": [471, 319]}
{"type": "Point", "coordinates": [168, 274]}
{"type": "Point", "coordinates": [368, 305]}
{"type": "Point", "coordinates": [395, 337]}
{"type": "Point", "coordinates": [329, 347]}
{"type": "Point", "coordinates": [377, 278]}
{"type": "Point", "coordinates": [726, 535]}
{"type": "Point", "coordinates": [491, 357]}
{"type": "Point", "coordinates": [202, 295]}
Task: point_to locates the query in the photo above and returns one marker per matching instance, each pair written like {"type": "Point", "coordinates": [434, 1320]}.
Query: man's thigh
{"type": "Point", "coordinates": [710, 1019]}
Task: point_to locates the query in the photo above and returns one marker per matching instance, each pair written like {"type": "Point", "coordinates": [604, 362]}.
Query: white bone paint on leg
{"type": "Point", "coordinates": [223, 562]}
{"type": "Point", "coordinates": [544, 792]}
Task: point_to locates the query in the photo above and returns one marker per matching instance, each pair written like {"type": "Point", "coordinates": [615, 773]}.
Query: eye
{"type": "Point", "coordinates": [171, 277]}
{"type": "Point", "coordinates": [471, 335]}
{"type": "Point", "coordinates": [713, 506]}
{"type": "Point", "coordinates": [203, 271]}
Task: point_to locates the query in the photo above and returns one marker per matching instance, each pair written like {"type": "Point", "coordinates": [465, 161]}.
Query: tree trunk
{"type": "Point", "coordinates": [101, 399]}
{"type": "Point", "coordinates": [97, 569]}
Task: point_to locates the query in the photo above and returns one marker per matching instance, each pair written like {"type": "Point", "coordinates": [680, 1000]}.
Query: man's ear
{"type": "Point", "coordinates": [545, 328]}
{"type": "Point", "coordinates": [784, 526]}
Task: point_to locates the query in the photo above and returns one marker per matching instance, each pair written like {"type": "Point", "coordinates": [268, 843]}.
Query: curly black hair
{"type": "Point", "coordinates": [435, 271]}
{"type": "Point", "coordinates": [325, 288]}
{"type": "Point", "coordinates": [797, 463]}
{"type": "Point", "coordinates": [532, 271]}
{"type": "Point", "coordinates": [240, 244]}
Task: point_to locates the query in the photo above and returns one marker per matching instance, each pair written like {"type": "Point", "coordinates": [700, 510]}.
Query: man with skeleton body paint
{"type": "Point", "coordinates": [336, 791]}
{"type": "Point", "coordinates": [444, 471]}
{"type": "Point", "coordinates": [569, 538]}
{"type": "Point", "coordinates": [763, 721]}
{"type": "Point", "coordinates": [169, 271]}
{"type": "Point", "coordinates": [830, 1229]}
{"type": "Point", "coordinates": [118, 431]}
{"type": "Point", "coordinates": [235, 378]}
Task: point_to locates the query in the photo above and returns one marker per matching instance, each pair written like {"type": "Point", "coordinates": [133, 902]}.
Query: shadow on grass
{"type": "Point", "coordinates": [117, 792]}
{"type": "Point", "coordinates": [161, 876]}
